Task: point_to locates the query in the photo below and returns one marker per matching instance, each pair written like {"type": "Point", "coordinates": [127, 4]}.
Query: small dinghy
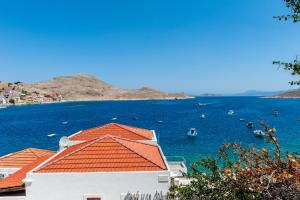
{"type": "Point", "coordinates": [192, 132]}
{"type": "Point", "coordinates": [275, 112]}
{"type": "Point", "coordinates": [159, 122]}
{"type": "Point", "coordinates": [202, 116]}
{"type": "Point", "coordinates": [259, 133]}
{"type": "Point", "coordinates": [241, 119]}
{"type": "Point", "coordinates": [114, 119]}
{"type": "Point", "coordinates": [51, 135]}
{"type": "Point", "coordinates": [65, 122]}
{"type": "Point", "coordinates": [135, 118]}
{"type": "Point", "coordinates": [201, 104]}
{"type": "Point", "coordinates": [230, 112]}
{"type": "Point", "coordinates": [250, 124]}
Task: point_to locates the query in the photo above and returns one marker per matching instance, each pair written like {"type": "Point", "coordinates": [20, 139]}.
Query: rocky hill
{"type": "Point", "coordinates": [290, 94]}
{"type": "Point", "coordinates": [86, 87]}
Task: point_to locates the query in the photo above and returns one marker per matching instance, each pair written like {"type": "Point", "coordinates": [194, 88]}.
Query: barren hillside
{"type": "Point", "coordinates": [87, 87]}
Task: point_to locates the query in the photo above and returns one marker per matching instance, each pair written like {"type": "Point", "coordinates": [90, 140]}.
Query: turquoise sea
{"type": "Point", "coordinates": [28, 126]}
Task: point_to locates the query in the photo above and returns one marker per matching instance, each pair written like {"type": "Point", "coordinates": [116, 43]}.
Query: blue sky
{"type": "Point", "coordinates": [193, 46]}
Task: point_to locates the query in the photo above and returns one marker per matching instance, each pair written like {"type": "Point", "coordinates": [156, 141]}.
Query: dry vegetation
{"type": "Point", "coordinates": [244, 173]}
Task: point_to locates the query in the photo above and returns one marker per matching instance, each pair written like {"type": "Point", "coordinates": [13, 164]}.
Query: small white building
{"type": "Point", "coordinates": [3, 100]}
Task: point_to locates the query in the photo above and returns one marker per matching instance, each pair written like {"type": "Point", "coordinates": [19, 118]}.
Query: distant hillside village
{"type": "Point", "coordinates": [14, 93]}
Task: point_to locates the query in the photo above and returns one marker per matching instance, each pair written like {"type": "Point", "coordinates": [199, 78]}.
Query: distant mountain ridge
{"type": "Point", "coordinates": [87, 87]}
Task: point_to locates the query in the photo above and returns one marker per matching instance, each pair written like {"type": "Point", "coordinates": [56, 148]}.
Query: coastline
{"type": "Point", "coordinates": [278, 97]}
{"type": "Point", "coordinates": [99, 100]}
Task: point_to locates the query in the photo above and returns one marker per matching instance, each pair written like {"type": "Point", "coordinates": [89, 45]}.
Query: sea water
{"type": "Point", "coordinates": [29, 126]}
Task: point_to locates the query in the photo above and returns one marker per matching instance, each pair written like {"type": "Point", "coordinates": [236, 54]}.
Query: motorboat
{"type": "Point", "coordinates": [201, 104]}
{"type": "Point", "coordinates": [250, 124]}
{"type": "Point", "coordinates": [230, 112]}
{"type": "Point", "coordinates": [241, 119]}
{"type": "Point", "coordinates": [275, 112]}
{"type": "Point", "coordinates": [65, 122]}
{"type": "Point", "coordinates": [51, 135]}
{"type": "Point", "coordinates": [192, 132]}
{"type": "Point", "coordinates": [259, 133]}
{"type": "Point", "coordinates": [160, 122]}
{"type": "Point", "coordinates": [114, 119]}
{"type": "Point", "coordinates": [202, 116]}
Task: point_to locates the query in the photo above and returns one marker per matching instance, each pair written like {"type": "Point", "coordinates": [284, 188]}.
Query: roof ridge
{"type": "Point", "coordinates": [122, 126]}
{"type": "Point", "coordinates": [101, 126]}
{"type": "Point", "coordinates": [129, 148]}
{"type": "Point", "coordinates": [31, 150]}
{"type": "Point", "coordinates": [135, 141]}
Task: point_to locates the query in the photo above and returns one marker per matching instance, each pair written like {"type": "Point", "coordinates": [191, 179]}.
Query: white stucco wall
{"type": "Point", "coordinates": [109, 186]}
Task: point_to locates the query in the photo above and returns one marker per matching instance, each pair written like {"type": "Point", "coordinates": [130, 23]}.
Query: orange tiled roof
{"type": "Point", "coordinates": [14, 181]}
{"type": "Point", "coordinates": [114, 129]}
{"type": "Point", "coordinates": [22, 158]}
{"type": "Point", "coordinates": [106, 154]}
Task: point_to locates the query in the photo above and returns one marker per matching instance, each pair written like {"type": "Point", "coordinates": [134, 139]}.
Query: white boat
{"type": "Point", "coordinates": [160, 122]}
{"type": "Point", "coordinates": [51, 135]}
{"type": "Point", "coordinates": [201, 104]}
{"type": "Point", "coordinates": [2, 107]}
{"type": "Point", "coordinates": [192, 132]}
{"type": "Point", "coordinates": [241, 119]}
{"type": "Point", "coordinates": [114, 118]}
{"type": "Point", "coordinates": [202, 116]}
{"type": "Point", "coordinates": [259, 133]}
{"type": "Point", "coordinates": [275, 113]}
{"type": "Point", "coordinates": [65, 122]}
{"type": "Point", "coordinates": [230, 112]}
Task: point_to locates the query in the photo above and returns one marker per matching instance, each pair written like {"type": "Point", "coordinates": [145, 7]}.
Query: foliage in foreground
{"type": "Point", "coordinates": [245, 173]}
{"type": "Point", "coordinates": [293, 66]}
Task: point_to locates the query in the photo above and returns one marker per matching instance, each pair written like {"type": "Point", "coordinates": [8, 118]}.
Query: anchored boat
{"type": "Point", "coordinates": [259, 133]}
{"type": "Point", "coordinates": [250, 124]}
{"type": "Point", "coordinates": [192, 132]}
{"type": "Point", "coordinates": [230, 112]}
{"type": "Point", "coordinates": [51, 135]}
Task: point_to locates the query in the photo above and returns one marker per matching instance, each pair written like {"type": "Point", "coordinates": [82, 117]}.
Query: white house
{"type": "Point", "coordinates": [102, 163]}
{"type": "Point", "coordinates": [2, 100]}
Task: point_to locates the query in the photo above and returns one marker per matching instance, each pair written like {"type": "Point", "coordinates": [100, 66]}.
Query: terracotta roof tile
{"type": "Point", "coordinates": [14, 181]}
{"type": "Point", "coordinates": [22, 158]}
{"type": "Point", "coordinates": [114, 129]}
{"type": "Point", "coordinates": [106, 154]}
